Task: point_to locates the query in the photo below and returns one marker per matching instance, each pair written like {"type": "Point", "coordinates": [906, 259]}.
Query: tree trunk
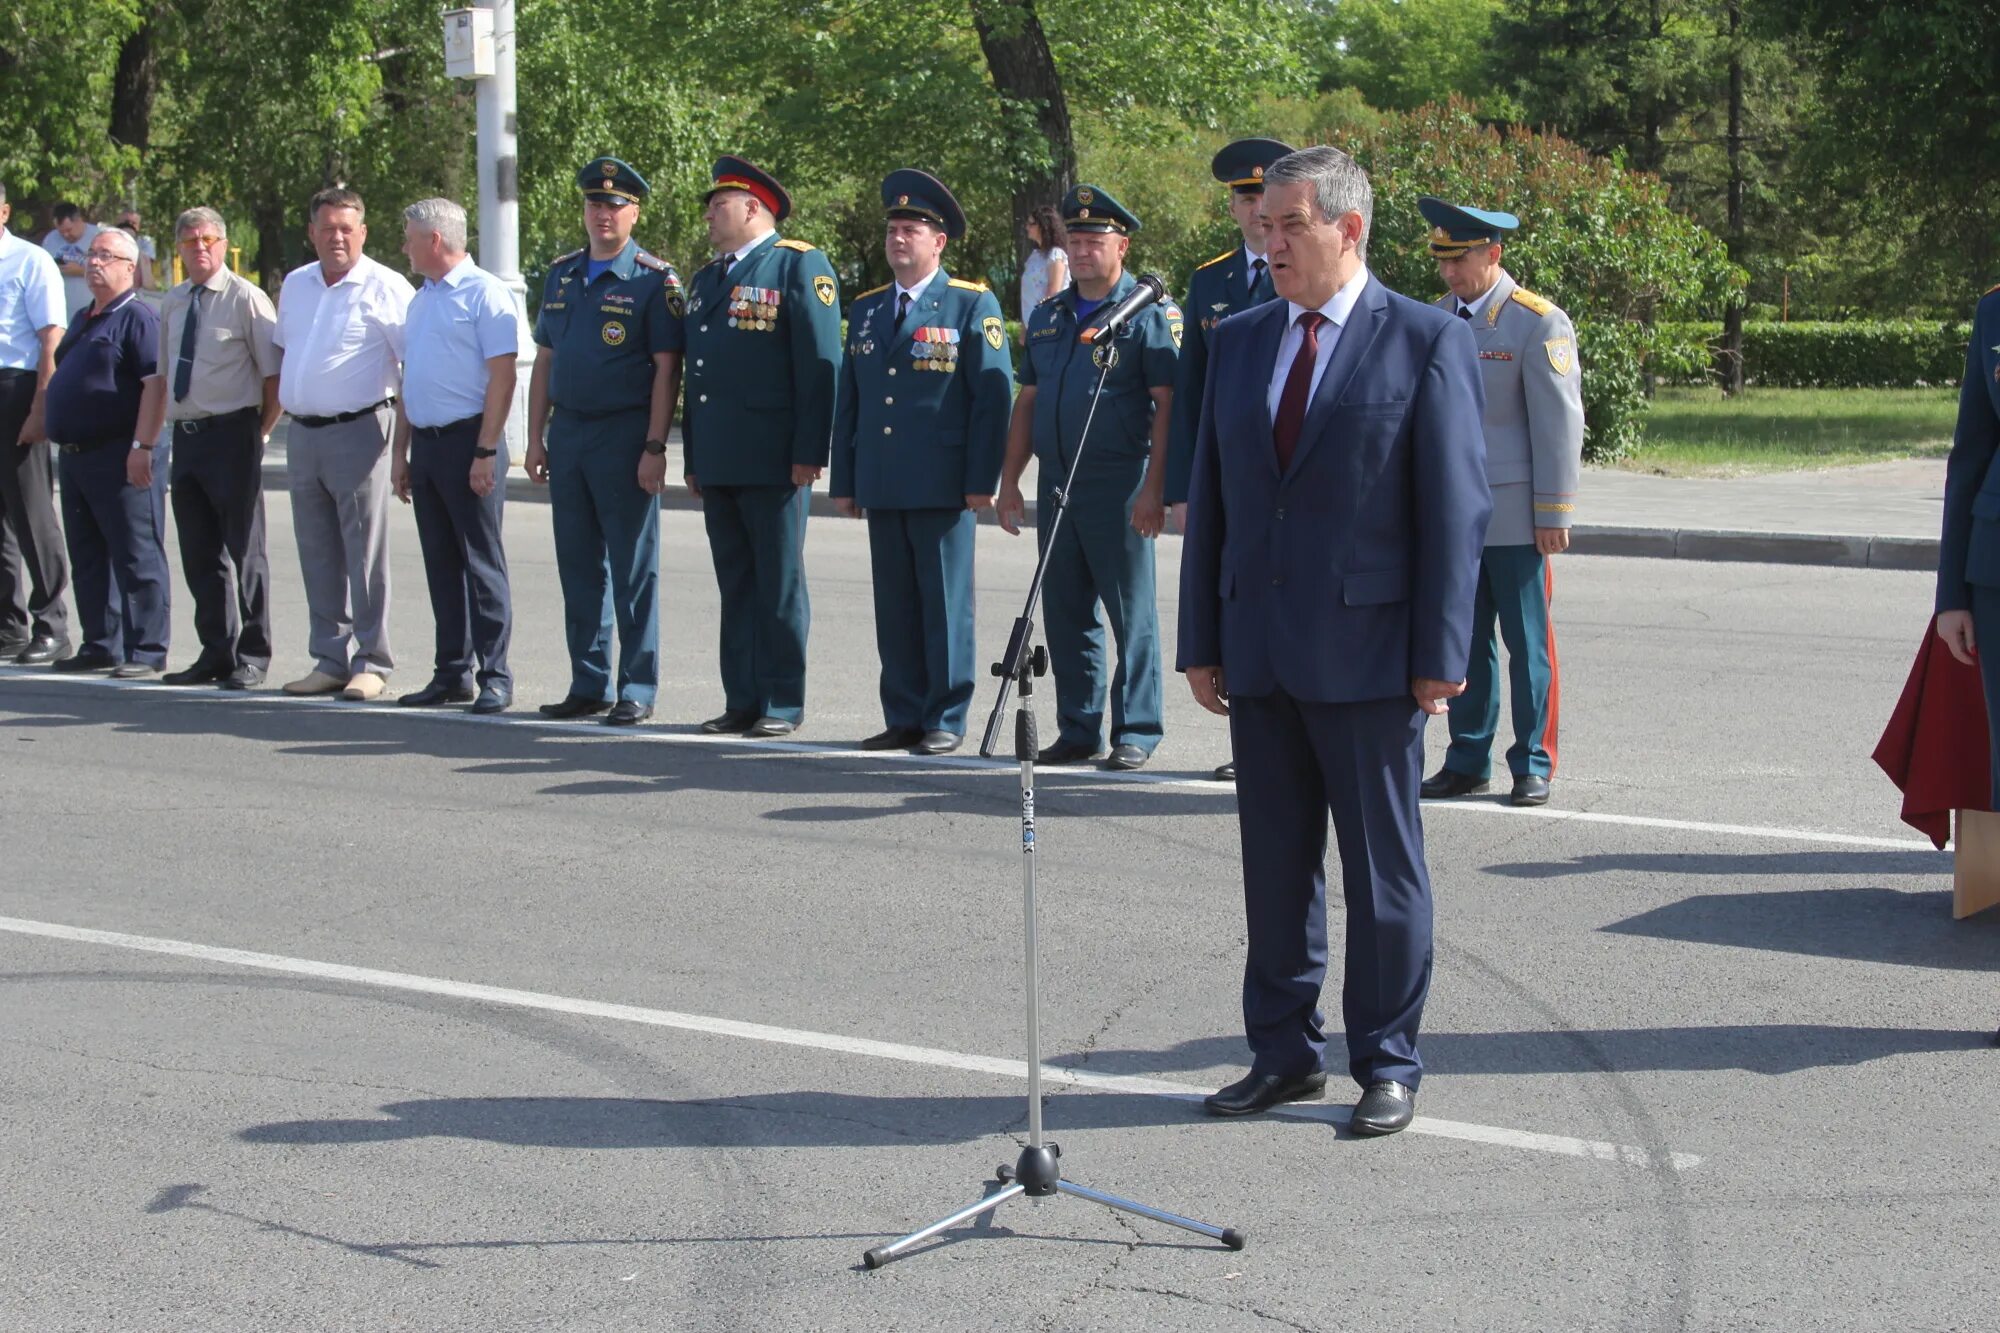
{"type": "Point", "coordinates": [1732, 318]}
{"type": "Point", "coordinates": [134, 85]}
{"type": "Point", "coordinates": [271, 267]}
{"type": "Point", "coordinates": [1024, 74]}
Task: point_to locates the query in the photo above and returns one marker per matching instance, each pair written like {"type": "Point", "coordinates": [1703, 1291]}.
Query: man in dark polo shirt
{"type": "Point", "coordinates": [115, 530]}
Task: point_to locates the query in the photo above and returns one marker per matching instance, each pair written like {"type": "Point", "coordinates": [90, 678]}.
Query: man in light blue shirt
{"type": "Point", "coordinates": [463, 335]}
{"type": "Point", "coordinates": [34, 567]}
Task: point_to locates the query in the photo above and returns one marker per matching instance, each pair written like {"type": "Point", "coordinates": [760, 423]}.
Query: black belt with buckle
{"type": "Point", "coordinates": [196, 425]}
{"type": "Point", "coordinates": [342, 418]}
{"type": "Point", "coordinates": [449, 428]}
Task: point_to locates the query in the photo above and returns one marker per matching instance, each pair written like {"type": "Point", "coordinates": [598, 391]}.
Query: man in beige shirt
{"type": "Point", "coordinates": [217, 386]}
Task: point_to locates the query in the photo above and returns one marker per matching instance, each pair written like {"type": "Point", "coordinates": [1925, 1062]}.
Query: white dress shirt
{"type": "Point", "coordinates": [1476, 307]}
{"type": "Point", "coordinates": [344, 343]}
{"type": "Point", "coordinates": [456, 324]}
{"type": "Point", "coordinates": [31, 299]}
{"type": "Point", "coordinates": [914, 293]}
{"type": "Point", "coordinates": [1336, 311]}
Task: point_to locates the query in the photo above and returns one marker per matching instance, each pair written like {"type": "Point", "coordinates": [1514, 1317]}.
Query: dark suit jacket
{"type": "Point", "coordinates": [1353, 572]}
{"type": "Point", "coordinates": [1969, 551]}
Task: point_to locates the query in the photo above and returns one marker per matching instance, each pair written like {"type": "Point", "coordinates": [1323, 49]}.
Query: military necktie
{"type": "Point", "coordinates": [1465, 312]}
{"type": "Point", "coordinates": [727, 261]}
{"type": "Point", "coordinates": [1256, 275]}
{"type": "Point", "coordinates": [1298, 390]}
{"type": "Point", "coordinates": [184, 363]}
{"type": "Point", "coordinates": [902, 307]}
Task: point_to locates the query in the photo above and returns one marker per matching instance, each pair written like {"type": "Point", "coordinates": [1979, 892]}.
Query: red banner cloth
{"type": "Point", "coordinates": [1935, 748]}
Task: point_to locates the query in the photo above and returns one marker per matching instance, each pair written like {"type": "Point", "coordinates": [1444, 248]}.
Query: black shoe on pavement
{"type": "Point", "coordinates": [1444, 784]}
{"type": "Point", "coordinates": [134, 671]}
{"type": "Point", "coordinates": [245, 677]}
{"type": "Point", "coordinates": [938, 742]}
{"type": "Point", "coordinates": [1530, 790]}
{"type": "Point", "coordinates": [11, 648]}
{"type": "Point", "coordinates": [893, 738]}
{"type": "Point", "coordinates": [1385, 1107]}
{"type": "Point", "coordinates": [1256, 1092]}
{"type": "Point", "coordinates": [574, 705]}
{"type": "Point", "coordinates": [79, 663]}
{"type": "Point", "coordinates": [729, 722]}
{"type": "Point", "coordinates": [494, 698]}
{"type": "Point", "coordinates": [767, 727]}
{"type": "Point", "coordinates": [1126, 757]}
{"type": "Point", "coordinates": [627, 713]}
{"type": "Point", "coordinates": [46, 648]}
{"type": "Point", "coordinates": [435, 693]}
{"type": "Point", "coordinates": [201, 673]}
{"type": "Point", "coordinates": [1226, 772]}
{"type": "Point", "coordinates": [1066, 752]}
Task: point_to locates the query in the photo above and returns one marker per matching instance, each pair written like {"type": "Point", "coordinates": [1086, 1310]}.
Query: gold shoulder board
{"type": "Point", "coordinates": [872, 291]}
{"type": "Point", "coordinates": [1541, 305]}
{"type": "Point", "coordinates": [564, 259]}
{"type": "Point", "coordinates": [1994, 288]}
{"type": "Point", "coordinates": [1211, 263]}
{"type": "Point", "coordinates": [789, 244]}
{"type": "Point", "coordinates": [966, 285]}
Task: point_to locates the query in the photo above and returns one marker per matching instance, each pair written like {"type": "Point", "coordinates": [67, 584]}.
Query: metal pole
{"type": "Point", "coordinates": [1028, 915]}
{"type": "Point", "coordinates": [500, 197]}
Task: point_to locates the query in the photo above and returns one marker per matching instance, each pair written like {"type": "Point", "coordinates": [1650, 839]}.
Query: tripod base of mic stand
{"type": "Point", "coordinates": [1037, 1175]}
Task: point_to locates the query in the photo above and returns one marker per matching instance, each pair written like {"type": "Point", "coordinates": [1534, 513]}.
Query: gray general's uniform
{"type": "Point", "coordinates": [1534, 411]}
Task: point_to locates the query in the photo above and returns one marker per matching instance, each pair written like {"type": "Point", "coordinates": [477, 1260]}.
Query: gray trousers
{"type": "Point", "coordinates": [339, 480]}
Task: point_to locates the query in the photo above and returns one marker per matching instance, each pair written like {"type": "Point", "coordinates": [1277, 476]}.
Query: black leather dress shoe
{"type": "Point", "coordinates": [627, 713]}
{"type": "Point", "coordinates": [938, 742]}
{"type": "Point", "coordinates": [1126, 757]}
{"type": "Point", "coordinates": [245, 677]}
{"type": "Point", "coordinates": [435, 693]}
{"type": "Point", "coordinates": [134, 671]}
{"type": "Point", "coordinates": [1065, 752]}
{"type": "Point", "coordinates": [81, 662]}
{"type": "Point", "coordinates": [1226, 772]}
{"type": "Point", "coordinates": [1444, 784]}
{"type": "Point", "coordinates": [1256, 1092]}
{"type": "Point", "coordinates": [201, 673]}
{"type": "Point", "coordinates": [12, 648]}
{"type": "Point", "coordinates": [729, 722]}
{"type": "Point", "coordinates": [1385, 1107]}
{"type": "Point", "coordinates": [46, 648]}
{"type": "Point", "coordinates": [1530, 790]}
{"type": "Point", "coordinates": [574, 706]}
{"type": "Point", "coordinates": [772, 726]}
{"type": "Point", "coordinates": [494, 699]}
{"type": "Point", "coordinates": [893, 738]}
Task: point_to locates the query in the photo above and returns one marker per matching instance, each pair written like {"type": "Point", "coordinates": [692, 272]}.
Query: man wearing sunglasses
{"type": "Point", "coordinates": [216, 387]}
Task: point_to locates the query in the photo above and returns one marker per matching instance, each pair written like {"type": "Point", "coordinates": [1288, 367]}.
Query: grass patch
{"type": "Point", "coordinates": [1698, 432]}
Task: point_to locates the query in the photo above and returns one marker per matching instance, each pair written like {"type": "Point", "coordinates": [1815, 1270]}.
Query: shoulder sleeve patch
{"type": "Point", "coordinates": [1541, 305]}
{"type": "Point", "coordinates": [1211, 263]}
{"type": "Point", "coordinates": [872, 291]}
{"type": "Point", "coordinates": [967, 286]}
{"type": "Point", "coordinates": [787, 243]}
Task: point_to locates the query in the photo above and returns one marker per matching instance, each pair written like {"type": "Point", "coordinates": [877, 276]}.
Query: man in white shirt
{"type": "Point", "coordinates": [34, 566]}
{"type": "Point", "coordinates": [465, 335]}
{"type": "Point", "coordinates": [66, 245]}
{"type": "Point", "coordinates": [340, 324]}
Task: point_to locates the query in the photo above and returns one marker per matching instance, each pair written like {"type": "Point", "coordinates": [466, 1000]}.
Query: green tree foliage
{"type": "Point", "coordinates": [1600, 242]}
{"type": "Point", "coordinates": [56, 63]}
{"type": "Point", "coordinates": [1403, 54]}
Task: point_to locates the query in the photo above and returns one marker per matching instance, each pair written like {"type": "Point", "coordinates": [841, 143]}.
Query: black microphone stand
{"type": "Point", "coordinates": [1037, 1173]}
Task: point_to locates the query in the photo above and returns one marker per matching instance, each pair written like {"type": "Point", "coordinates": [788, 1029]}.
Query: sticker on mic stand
{"type": "Point", "coordinates": [1104, 356]}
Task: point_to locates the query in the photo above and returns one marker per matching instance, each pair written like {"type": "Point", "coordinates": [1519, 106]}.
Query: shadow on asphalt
{"type": "Point", "coordinates": [588, 759]}
{"type": "Point", "coordinates": [1862, 924]}
{"type": "Point", "coordinates": [1858, 861]}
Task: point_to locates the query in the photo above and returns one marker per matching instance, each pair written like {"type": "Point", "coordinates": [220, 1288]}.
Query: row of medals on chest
{"type": "Point", "coordinates": [753, 308]}
{"type": "Point", "coordinates": [930, 348]}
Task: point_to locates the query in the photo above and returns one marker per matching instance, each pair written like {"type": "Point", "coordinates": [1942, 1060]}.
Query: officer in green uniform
{"type": "Point", "coordinates": [608, 361]}
{"type": "Point", "coordinates": [763, 360]}
{"type": "Point", "coordinates": [1104, 552]}
{"type": "Point", "coordinates": [1534, 455]}
{"type": "Point", "coordinates": [1234, 280]}
{"type": "Point", "coordinates": [925, 391]}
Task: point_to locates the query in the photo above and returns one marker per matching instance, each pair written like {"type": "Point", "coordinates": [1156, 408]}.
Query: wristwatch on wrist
{"type": "Point", "coordinates": [483, 453]}
{"type": "Point", "coordinates": [138, 445]}
{"type": "Point", "coordinates": [656, 447]}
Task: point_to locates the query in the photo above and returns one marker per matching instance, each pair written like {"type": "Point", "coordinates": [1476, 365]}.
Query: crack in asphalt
{"type": "Point", "coordinates": [1192, 1299]}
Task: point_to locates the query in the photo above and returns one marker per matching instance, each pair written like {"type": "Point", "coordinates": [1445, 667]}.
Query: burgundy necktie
{"type": "Point", "coordinates": [1298, 389]}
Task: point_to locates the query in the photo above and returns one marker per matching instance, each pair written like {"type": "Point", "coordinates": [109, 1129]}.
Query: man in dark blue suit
{"type": "Point", "coordinates": [1335, 519]}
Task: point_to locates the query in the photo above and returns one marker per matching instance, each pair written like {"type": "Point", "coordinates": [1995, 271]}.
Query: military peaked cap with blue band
{"type": "Point", "coordinates": [733, 173]}
{"type": "Point", "coordinates": [1241, 165]}
{"type": "Point", "coordinates": [611, 181]}
{"type": "Point", "coordinates": [1089, 208]}
{"type": "Point", "coordinates": [1455, 230]}
{"type": "Point", "coordinates": [909, 193]}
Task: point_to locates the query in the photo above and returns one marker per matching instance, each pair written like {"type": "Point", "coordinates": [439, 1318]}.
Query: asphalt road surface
{"type": "Point", "coordinates": [328, 1016]}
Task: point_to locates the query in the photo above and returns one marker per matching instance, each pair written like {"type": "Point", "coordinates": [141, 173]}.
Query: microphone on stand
{"type": "Point", "coordinates": [1146, 291]}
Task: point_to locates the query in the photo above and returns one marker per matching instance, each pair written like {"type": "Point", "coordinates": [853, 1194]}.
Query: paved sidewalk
{"type": "Point", "coordinates": [1881, 515]}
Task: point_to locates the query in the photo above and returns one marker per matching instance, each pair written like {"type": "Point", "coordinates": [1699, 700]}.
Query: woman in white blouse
{"type": "Point", "coordinates": [1046, 271]}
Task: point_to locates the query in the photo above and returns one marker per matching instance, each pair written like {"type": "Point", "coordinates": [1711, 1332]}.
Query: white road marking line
{"type": "Point", "coordinates": [1085, 1080]}
{"type": "Point", "coordinates": [968, 763]}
